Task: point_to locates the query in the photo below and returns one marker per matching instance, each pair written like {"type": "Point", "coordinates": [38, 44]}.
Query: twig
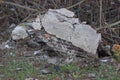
{"type": "Point", "coordinates": [44, 4]}
{"type": "Point", "coordinates": [55, 5]}
{"type": "Point", "coordinates": [31, 9]}
{"type": "Point", "coordinates": [20, 6]}
{"type": "Point", "coordinates": [111, 35]}
{"type": "Point", "coordinates": [76, 4]}
{"type": "Point", "coordinates": [34, 4]}
{"type": "Point", "coordinates": [100, 13]}
{"type": "Point", "coordinates": [26, 18]}
{"type": "Point", "coordinates": [109, 26]}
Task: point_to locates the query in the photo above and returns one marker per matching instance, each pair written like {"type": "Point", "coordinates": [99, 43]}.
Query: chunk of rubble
{"type": "Point", "coordinates": [62, 24]}
{"type": "Point", "coordinates": [45, 71]}
{"type": "Point", "coordinates": [19, 33]}
{"type": "Point", "coordinates": [52, 60]}
{"type": "Point", "coordinates": [37, 23]}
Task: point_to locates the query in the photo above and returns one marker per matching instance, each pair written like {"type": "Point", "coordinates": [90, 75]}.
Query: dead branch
{"type": "Point", "coordinates": [18, 5]}
{"type": "Point", "coordinates": [109, 26]}
{"type": "Point", "coordinates": [76, 4]}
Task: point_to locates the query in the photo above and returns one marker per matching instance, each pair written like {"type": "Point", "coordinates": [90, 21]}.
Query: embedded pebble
{"type": "Point", "coordinates": [91, 75]}
{"type": "Point", "coordinates": [45, 71]}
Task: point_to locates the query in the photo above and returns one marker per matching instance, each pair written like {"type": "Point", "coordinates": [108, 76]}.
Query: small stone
{"type": "Point", "coordinates": [52, 60]}
{"type": "Point", "coordinates": [11, 54]}
{"type": "Point", "coordinates": [7, 46]}
{"type": "Point", "coordinates": [104, 60]}
{"type": "Point", "coordinates": [91, 75]}
{"type": "Point", "coordinates": [45, 71]}
{"type": "Point", "coordinates": [19, 33]}
{"type": "Point", "coordinates": [18, 69]}
{"type": "Point", "coordinates": [37, 52]}
{"type": "Point", "coordinates": [31, 79]}
{"type": "Point", "coordinates": [2, 75]}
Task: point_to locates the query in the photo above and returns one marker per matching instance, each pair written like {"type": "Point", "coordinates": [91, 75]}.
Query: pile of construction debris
{"type": "Point", "coordinates": [61, 31]}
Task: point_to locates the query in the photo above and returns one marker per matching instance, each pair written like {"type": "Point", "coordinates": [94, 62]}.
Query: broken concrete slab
{"type": "Point", "coordinates": [62, 32]}
{"type": "Point", "coordinates": [65, 48]}
{"type": "Point", "coordinates": [70, 29]}
{"type": "Point", "coordinates": [19, 33]}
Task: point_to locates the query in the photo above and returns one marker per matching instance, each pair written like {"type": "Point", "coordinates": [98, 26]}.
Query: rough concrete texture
{"type": "Point", "coordinates": [37, 23]}
{"type": "Point", "coordinates": [60, 22]}
{"type": "Point", "coordinates": [19, 33]}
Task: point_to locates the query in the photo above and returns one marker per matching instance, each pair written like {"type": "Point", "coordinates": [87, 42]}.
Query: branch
{"type": "Point", "coordinates": [109, 26]}
{"type": "Point", "coordinates": [100, 13]}
{"type": "Point", "coordinates": [76, 4]}
{"type": "Point", "coordinates": [17, 5]}
{"type": "Point", "coordinates": [31, 9]}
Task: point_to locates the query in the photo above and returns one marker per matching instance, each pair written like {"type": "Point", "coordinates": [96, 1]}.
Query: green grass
{"type": "Point", "coordinates": [104, 71]}
{"type": "Point", "coordinates": [26, 70]}
{"type": "Point", "coordinates": [11, 65]}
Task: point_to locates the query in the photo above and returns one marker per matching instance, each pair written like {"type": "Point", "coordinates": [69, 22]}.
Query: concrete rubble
{"type": "Point", "coordinates": [19, 33]}
{"type": "Point", "coordinates": [63, 24]}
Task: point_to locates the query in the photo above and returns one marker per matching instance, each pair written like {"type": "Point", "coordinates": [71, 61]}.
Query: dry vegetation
{"type": "Point", "coordinates": [101, 16]}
